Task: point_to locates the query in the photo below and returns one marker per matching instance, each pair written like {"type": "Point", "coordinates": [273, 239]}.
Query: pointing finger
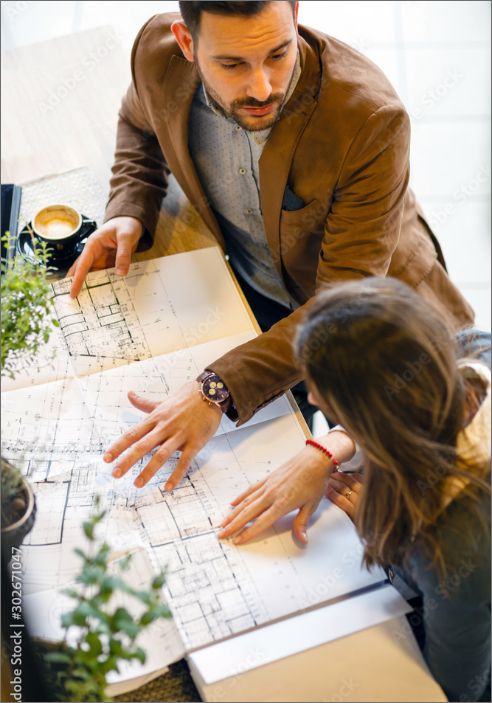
{"type": "Point", "coordinates": [123, 256]}
{"type": "Point", "coordinates": [72, 268]}
{"type": "Point", "coordinates": [82, 268]}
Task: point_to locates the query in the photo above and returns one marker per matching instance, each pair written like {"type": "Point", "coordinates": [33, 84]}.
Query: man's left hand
{"type": "Point", "coordinates": [183, 422]}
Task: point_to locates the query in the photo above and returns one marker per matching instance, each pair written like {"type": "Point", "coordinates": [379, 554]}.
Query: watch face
{"type": "Point", "coordinates": [214, 389]}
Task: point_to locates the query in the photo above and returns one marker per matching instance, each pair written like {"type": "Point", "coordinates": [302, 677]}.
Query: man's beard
{"type": "Point", "coordinates": [265, 122]}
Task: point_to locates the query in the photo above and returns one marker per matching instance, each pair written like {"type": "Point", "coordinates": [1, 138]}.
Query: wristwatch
{"type": "Point", "coordinates": [214, 390]}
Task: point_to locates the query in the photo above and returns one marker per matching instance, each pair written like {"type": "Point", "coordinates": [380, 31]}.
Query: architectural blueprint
{"type": "Point", "coordinates": [163, 305]}
{"type": "Point", "coordinates": [151, 332]}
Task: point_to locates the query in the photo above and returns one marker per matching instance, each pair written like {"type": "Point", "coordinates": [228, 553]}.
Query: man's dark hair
{"type": "Point", "coordinates": [191, 11]}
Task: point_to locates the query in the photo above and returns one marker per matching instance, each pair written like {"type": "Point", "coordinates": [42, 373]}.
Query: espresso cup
{"type": "Point", "coordinates": [60, 226]}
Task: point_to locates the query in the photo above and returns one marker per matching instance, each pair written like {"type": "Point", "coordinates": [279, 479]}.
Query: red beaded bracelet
{"type": "Point", "coordinates": [325, 451]}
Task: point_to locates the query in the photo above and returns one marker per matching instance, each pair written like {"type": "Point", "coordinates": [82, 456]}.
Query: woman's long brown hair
{"type": "Point", "coordinates": [385, 364]}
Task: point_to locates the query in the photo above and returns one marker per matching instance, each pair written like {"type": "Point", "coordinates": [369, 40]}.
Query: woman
{"type": "Point", "coordinates": [380, 361]}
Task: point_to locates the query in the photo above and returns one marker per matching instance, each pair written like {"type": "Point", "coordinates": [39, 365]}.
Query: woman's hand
{"type": "Point", "coordinates": [299, 483]}
{"type": "Point", "coordinates": [344, 490]}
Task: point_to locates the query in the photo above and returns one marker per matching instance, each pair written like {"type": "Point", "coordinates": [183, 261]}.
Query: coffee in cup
{"type": "Point", "coordinates": [60, 226]}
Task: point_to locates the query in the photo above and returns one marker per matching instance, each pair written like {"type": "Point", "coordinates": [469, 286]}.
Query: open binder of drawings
{"type": "Point", "coordinates": [152, 331]}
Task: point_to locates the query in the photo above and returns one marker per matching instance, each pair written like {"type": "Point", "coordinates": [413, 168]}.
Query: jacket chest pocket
{"type": "Point", "coordinates": [301, 234]}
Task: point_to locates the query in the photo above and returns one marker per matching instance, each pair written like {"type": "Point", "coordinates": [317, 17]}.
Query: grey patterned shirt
{"type": "Point", "coordinates": [226, 159]}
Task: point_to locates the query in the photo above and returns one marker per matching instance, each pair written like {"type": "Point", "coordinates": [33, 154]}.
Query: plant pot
{"type": "Point", "coordinates": [13, 535]}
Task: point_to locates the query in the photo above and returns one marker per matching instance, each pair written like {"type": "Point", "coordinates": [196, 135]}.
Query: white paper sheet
{"type": "Point", "coordinates": [152, 339]}
{"type": "Point", "coordinates": [296, 634]}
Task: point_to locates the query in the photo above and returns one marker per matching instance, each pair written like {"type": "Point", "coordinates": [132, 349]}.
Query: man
{"type": "Point", "coordinates": [295, 150]}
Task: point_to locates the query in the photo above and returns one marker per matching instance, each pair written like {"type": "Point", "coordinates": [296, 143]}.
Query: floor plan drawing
{"type": "Point", "coordinates": [120, 320]}
{"type": "Point", "coordinates": [100, 307]}
{"type": "Point", "coordinates": [214, 588]}
{"type": "Point", "coordinates": [149, 333]}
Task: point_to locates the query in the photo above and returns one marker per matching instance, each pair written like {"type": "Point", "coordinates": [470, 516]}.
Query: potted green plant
{"type": "Point", "coordinates": [105, 633]}
{"type": "Point", "coordinates": [26, 322]}
{"type": "Point", "coordinates": [18, 507]}
{"type": "Point", "coordinates": [27, 318]}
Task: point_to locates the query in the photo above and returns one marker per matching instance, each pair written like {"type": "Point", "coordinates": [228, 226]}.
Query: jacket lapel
{"type": "Point", "coordinates": [277, 155]}
{"type": "Point", "coordinates": [180, 83]}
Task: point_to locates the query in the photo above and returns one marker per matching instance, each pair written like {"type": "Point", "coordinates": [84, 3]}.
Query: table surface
{"type": "Point", "coordinates": [60, 101]}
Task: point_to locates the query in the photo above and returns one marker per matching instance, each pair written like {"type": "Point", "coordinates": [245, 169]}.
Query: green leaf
{"type": "Point", "coordinates": [115, 647]}
{"type": "Point", "coordinates": [26, 309]}
{"type": "Point", "coordinates": [101, 557]}
{"type": "Point", "coordinates": [140, 654]}
{"type": "Point", "coordinates": [81, 613]}
{"type": "Point", "coordinates": [95, 646]}
{"type": "Point", "coordinates": [109, 583]}
{"type": "Point", "coordinates": [91, 575]}
{"type": "Point", "coordinates": [144, 597]}
{"type": "Point", "coordinates": [158, 581]}
{"type": "Point", "coordinates": [71, 593]}
{"type": "Point", "coordinates": [67, 620]}
{"type": "Point", "coordinates": [57, 658]}
{"type": "Point", "coordinates": [162, 611]}
{"type": "Point", "coordinates": [88, 528]}
{"type": "Point", "coordinates": [124, 563]}
{"type": "Point", "coordinates": [122, 621]}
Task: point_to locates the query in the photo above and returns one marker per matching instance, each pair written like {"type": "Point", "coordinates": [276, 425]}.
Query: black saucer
{"type": "Point", "coordinates": [55, 261]}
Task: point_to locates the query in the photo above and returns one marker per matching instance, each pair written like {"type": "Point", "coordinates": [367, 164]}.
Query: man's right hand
{"type": "Point", "coordinates": [111, 245]}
